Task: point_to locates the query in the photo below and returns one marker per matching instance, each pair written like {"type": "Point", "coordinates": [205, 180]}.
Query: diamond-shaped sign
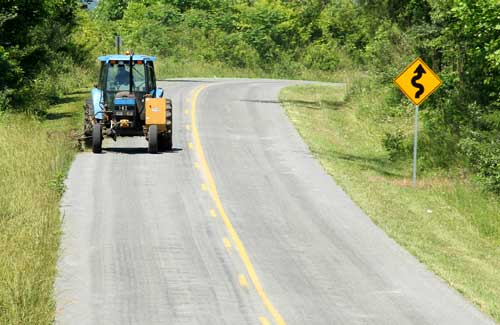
{"type": "Point", "coordinates": [417, 81]}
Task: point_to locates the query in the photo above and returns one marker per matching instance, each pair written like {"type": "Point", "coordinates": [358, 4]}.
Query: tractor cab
{"type": "Point", "coordinates": [124, 76]}
{"type": "Point", "coordinates": [119, 100]}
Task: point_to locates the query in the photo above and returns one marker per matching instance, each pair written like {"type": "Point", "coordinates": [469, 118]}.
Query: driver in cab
{"type": "Point", "coordinates": [122, 77]}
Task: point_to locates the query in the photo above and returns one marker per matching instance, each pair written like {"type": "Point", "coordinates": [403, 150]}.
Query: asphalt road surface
{"type": "Point", "coordinates": [238, 224]}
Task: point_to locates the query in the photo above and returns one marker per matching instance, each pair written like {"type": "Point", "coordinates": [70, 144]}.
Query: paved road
{"type": "Point", "coordinates": [237, 225]}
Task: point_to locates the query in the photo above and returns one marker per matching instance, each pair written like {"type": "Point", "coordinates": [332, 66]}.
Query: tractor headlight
{"type": "Point", "coordinates": [124, 113]}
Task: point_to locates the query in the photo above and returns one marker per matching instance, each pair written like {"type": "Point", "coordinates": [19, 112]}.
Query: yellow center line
{"type": "Point", "coordinates": [212, 213]}
{"type": "Point", "coordinates": [232, 232]}
{"type": "Point", "coordinates": [243, 281]}
{"type": "Point", "coordinates": [227, 243]}
{"type": "Point", "coordinates": [264, 321]}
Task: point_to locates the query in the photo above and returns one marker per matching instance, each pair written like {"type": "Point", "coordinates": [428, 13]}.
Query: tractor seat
{"type": "Point", "coordinates": [124, 94]}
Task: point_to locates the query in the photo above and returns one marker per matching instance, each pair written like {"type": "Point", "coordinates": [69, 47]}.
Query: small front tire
{"type": "Point", "coordinates": [96, 138]}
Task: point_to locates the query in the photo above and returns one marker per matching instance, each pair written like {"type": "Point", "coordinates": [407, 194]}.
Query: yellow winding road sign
{"type": "Point", "coordinates": [418, 81]}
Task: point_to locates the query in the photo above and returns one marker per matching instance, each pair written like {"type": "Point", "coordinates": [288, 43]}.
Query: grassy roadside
{"type": "Point", "coordinates": [173, 68]}
{"type": "Point", "coordinates": [447, 223]}
{"type": "Point", "coordinates": [34, 158]}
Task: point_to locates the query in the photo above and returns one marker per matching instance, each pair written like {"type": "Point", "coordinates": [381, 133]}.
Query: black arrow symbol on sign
{"type": "Point", "coordinates": [419, 71]}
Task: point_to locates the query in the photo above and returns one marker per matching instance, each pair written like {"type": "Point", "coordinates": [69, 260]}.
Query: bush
{"type": "Point", "coordinates": [483, 153]}
{"type": "Point", "coordinates": [234, 51]}
{"type": "Point", "coordinates": [322, 56]}
{"type": "Point", "coordinates": [389, 51]}
{"type": "Point", "coordinates": [395, 144]}
{"type": "Point", "coordinates": [5, 99]}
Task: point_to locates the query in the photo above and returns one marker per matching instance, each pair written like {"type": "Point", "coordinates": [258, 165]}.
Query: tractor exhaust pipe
{"type": "Point", "coordinates": [118, 43]}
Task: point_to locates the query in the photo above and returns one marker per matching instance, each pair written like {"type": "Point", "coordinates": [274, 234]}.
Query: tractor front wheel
{"type": "Point", "coordinates": [166, 141]}
{"type": "Point", "coordinates": [153, 139]}
{"type": "Point", "coordinates": [96, 138]}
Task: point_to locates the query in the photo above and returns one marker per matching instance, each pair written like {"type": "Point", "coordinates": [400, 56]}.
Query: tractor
{"type": "Point", "coordinates": [126, 102]}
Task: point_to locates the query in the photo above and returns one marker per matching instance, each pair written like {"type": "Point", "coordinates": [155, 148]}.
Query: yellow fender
{"type": "Point", "coordinates": [156, 112]}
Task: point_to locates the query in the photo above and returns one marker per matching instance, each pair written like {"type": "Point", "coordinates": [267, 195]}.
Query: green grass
{"type": "Point", "coordinates": [173, 68]}
{"type": "Point", "coordinates": [448, 223]}
{"type": "Point", "coordinates": [34, 158]}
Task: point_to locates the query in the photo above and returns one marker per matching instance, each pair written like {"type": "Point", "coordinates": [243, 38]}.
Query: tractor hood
{"type": "Point", "coordinates": [124, 101]}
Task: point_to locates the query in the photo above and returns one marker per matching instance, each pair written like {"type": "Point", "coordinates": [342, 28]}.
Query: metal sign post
{"type": "Point", "coordinates": [417, 82]}
{"type": "Point", "coordinates": [415, 143]}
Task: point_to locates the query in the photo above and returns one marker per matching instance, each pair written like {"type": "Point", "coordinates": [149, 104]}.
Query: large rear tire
{"type": "Point", "coordinates": [96, 138]}
{"type": "Point", "coordinates": [167, 137]}
{"type": "Point", "coordinates": [153, 139]}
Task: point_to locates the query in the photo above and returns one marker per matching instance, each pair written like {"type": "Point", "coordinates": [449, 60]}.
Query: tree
{"type": "Point", "coordinates": [32, 34]}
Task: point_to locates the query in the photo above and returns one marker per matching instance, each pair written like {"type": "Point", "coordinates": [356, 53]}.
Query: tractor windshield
{"type": "Point", "coordinates": [119, 77]}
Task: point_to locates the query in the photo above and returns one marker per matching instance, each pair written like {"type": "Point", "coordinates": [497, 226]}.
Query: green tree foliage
{"type": "Point", "coordinates": [474, 37]}
{"type": "Point", "coordinates": [34, 40]}
{"type": "Point", "coordinates": [111, 9]}
{"type": "Point", "coordinates": [462, 41]}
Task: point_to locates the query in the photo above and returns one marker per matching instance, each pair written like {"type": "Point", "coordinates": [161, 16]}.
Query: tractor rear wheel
{"type": "Point", "coordinates": [153, 139]}
{"type": "Point", "coordinates": [96, 138]}
{"type": "Point", "coordinates": [166, 138]}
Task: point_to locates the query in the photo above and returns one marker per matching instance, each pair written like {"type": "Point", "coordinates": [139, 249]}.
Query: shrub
{"type": "Point", "coordinates": [483, 153]}
{"type": "Point", "coordinates": [395, 144]}
{"type": "Point", "coordinates": [322, 56]}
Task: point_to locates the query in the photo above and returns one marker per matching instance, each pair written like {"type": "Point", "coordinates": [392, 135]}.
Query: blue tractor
{"type": "Point", "coordinates": [126, 102]}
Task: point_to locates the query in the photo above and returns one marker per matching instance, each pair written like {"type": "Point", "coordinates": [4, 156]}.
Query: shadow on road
{"type": "Point", "coordinates": [138, 151]}
{"type": "Point", "coordinates": [260, 101]}
{"type": "Point", "coordinates": [322, 104]}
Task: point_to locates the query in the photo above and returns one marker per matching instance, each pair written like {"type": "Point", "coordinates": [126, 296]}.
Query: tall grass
{"type": "Point", "coordinates": [174, 68]}
{"type": "Point", "coordinates": [34, 157]}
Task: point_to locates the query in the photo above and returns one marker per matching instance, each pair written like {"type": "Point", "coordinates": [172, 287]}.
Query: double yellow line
{"type": "Point", "coordinates": [232, 232]}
